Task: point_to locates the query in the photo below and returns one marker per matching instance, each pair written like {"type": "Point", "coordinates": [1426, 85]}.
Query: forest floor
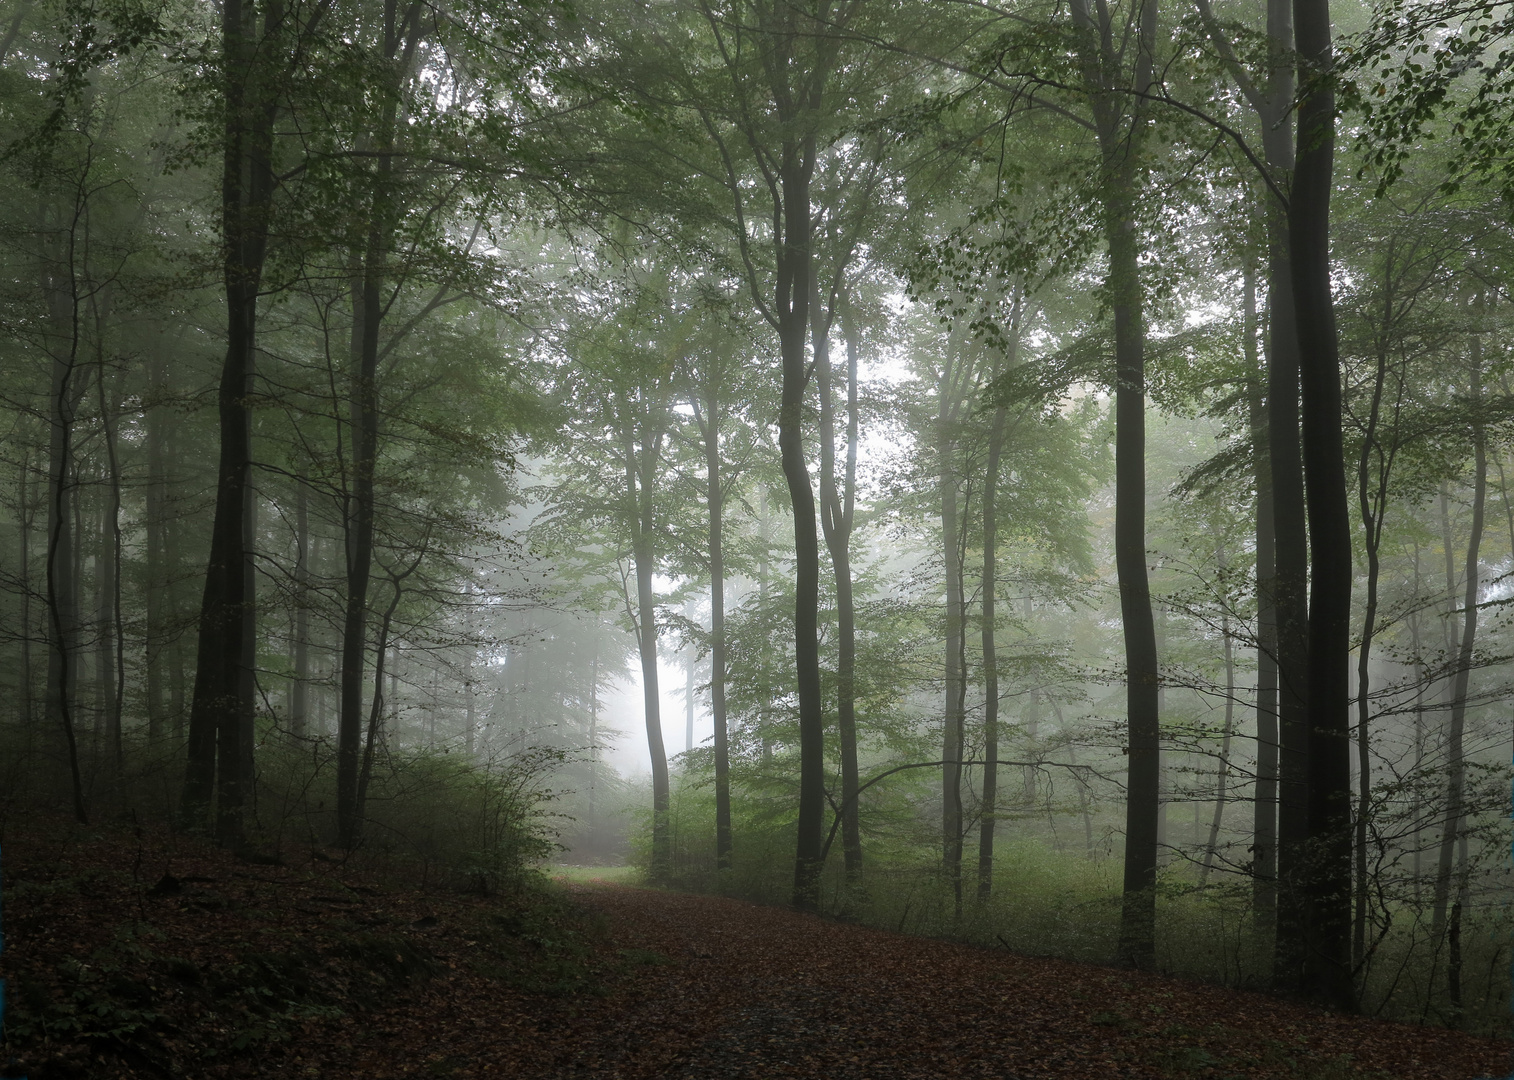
{"type": "Point", "coordinates": [138, 955]}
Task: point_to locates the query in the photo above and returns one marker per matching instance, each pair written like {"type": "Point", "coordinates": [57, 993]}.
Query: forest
{"type": "Point", "coordinates": [1021, 472]}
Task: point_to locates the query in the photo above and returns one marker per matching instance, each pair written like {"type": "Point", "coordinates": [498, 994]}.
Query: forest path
{"type": "Point", "coordinates": [760, 993]}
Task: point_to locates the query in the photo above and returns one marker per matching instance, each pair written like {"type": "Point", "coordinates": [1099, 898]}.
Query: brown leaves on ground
{"type": "Point", "coordinates": [136, 957]}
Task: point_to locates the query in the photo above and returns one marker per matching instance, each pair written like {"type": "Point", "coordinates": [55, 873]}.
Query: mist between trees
{"type": "Point", "coordinates": [1062, 448]}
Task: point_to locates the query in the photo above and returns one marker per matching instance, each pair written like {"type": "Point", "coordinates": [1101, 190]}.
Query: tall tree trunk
{"type": "Point", "coordinates": [640, 472]}
{"type": "Point", "coordinates": [1119, 120]}
{"type": "Point", "coordinates": [156, 593]}
{"type": "Point", "coordinates": [1454, 825]}
{"type": "Point", "coordinates": [399, 42]}
{"type": "Point", "coordinates": [376, 705]}
{"type": "Point", "coordinates": [792, 305]}
{"type": "Point", "coordinates": [470, 719]}
{"type": "Point", "coordinates": [1264, 809]}
{"type": "Point", "coordinates": [220, 714]}
{"type": "Point", "coordinates": [953, 726]}
{"type": "Point", "coordinates": [990, 794]}
{"type": "Point", "coordinates": [764, 678]}
{"type": "Point", "coordinates": [24, 570]}
{"type": "Point", "coordinates": [715, 508]}
{"type": "Point", "coordinates": [1327, 963]}
{"type": "Point", "coordinates": [62, 537]}
{"type": "Point", "coordinates": [247, 676]}
{"type": "Point", "coordinates": [837, 503]}
{"type": "Point", "coordinates": [1372, 503]}
{"type": "Point", "coordinates": [1223, 780]}
{"type": "Point", "coordinates": [363, 423]}
{"type": "Point", "coordinates": [113, 653]}
{"type": "Point", "coordinates": [954, 380]}
{"type": "Point", "coordinates": [593, 732]}
{"type": "Point", "coordinates": [299, 687]}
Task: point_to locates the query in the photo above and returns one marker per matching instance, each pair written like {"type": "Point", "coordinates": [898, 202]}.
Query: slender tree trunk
{"type": "Point", "coordinates": [1289, 579]}
{"type": "Point", "coordinates": [1138, 913]}
{"type": "Point", "coordinates": [299, 688]}
{"type": "Point", "coordinates": [1454, 825]}
{"type": "Point", "coordinates": [62, 536]}
{"type": "Point", "coordinates": [715, 508]}
{"type": "Point", "coordinates": [593, 732]}
{"type": "Point", "coordinates": [1119, 122]}
{"type": "Point", "coordinates": [1327, 962]}
{"type": "Point", "coordinates": [953, 728]}
{"type": "Point", "coordinates": [836, 515]}
{"type": "Point", "coordinates": [1264, 810]}
{"type": "Point", "coordinates": [376, 705]}
{"type": "Point", "coordinates": [640, 473]}
{"type": "Point", "coordinates": [1223, 780]}
{"type": "Point", "coordinates": [470, 733]}
{"type": "Point", "coordinates": [399, 43]}
{"type": "Point", "coordinates": [111, 634]}
{"type": "Point", "coordinates": [23, 500]}
{"type": "Point", "coordinates": [764, 679]}
{"type": "Point", "coordinates": [363, 424]}
{"type": "Point", "coordinates": [156, 525]}
{"type": "Point", "coordinates": [247, 676]}
{"type": "Point", "coordinates": [691, 660]}
{"type": "Point", "coordinates": [990, 794]}
{"type": "Point", "coordinates": [1372, 503]}
{"type": "Point", "coordinates": [792, 296]}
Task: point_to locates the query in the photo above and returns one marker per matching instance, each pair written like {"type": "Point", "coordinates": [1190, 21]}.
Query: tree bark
{"type": "Point", "coordinates": [220, 716]}
{"type": "Point", "coordinates": [640, 472]}
{"type": "Point", "coordinates": [1119, 121]}
{"type": "Point", "coordinates": [988, 800]}
{"type": "Point", "coordinates": [1223, 780]}
{"type": "Point", "coordinates": [1327, 893]}
{"type": "Point", "coordinates": [792, 304]}
{"type": "Point", "coordinates": [399, 43]}
{"type": "Point", "coordinates": [156, 593]}
{"type": "Point", "coordinates": [1452, 831]}
{"type": "Point", "coordinates": [715, 508]}
{"type": "Point", "coordinates": [1372, 503]}
{"type": "Point", "coordinates": [837, 503]}
{"type": "Point", "coordinates": [1264, 810]}
{"type": "Point", "coordinates": [299, 689]}
{"type": "Point", "coordinates": [1281, 578]}
{"type": "Point", "coordinates": [62, 579]}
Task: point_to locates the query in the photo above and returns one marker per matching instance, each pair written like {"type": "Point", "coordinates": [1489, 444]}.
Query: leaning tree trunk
{"type": "Point", "coordinates": [1327, 876]}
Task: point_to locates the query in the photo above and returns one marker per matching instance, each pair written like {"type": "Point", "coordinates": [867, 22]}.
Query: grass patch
{"type": "Point", "coordinates": [611, 875]}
